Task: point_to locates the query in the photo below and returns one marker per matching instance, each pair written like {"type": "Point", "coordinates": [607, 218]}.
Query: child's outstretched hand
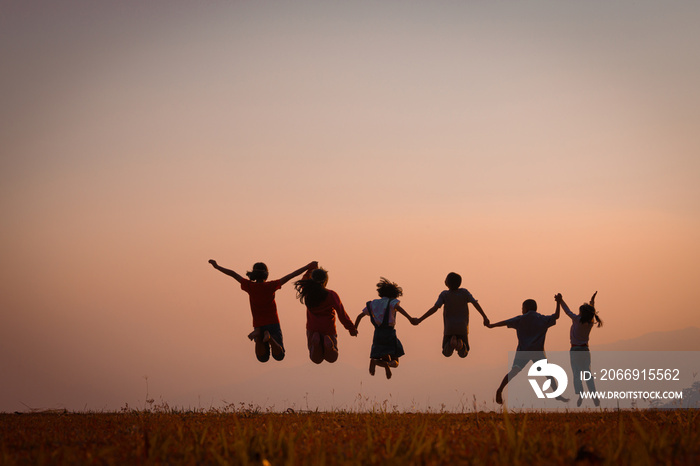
{"type": "Point", "coordinates": [212, 262]}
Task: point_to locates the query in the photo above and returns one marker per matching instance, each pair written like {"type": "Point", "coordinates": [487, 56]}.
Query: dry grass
{"type": "Point", "coordinates": [248, 436]}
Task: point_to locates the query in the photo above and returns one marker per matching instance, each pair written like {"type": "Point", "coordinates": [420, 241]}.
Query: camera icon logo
{"type": "Point", "coordinates": [552, 371]}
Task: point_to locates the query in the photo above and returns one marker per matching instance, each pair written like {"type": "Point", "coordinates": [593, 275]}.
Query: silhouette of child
{"type": "Point", "coordinates": [386, 347]}
{"type": "Point", "coordinates": [455, 316]}
{"type": "Point", "coordinates": [267, 332]}
{"type": "Point", "coordinates": [531, 328]}
{"type": "Point", "coordinates": [322, 305]}
{"type": "Point", "coordinates": [580, 356]}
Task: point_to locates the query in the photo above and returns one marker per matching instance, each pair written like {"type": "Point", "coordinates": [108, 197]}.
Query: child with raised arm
{"type": "Point", "coordinates": [386, 347]}
{"type": "Point", "coordinates": [455, 316]}
{"type": "Point", "coordinates": [580, 356]}
{"type": "Point", "coordinates": [531, 329]}
{"type": "Point", "coordinates": [267, 332]}
{"type": "Point", "coordinates": [322, 305]}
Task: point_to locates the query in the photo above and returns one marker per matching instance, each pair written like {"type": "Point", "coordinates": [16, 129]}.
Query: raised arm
{"type": "Point", "coordinates": [559, 300]}
{"type": "Point", "coordinates": [309, 266]}
{"type": "Point", "coordinates": [228, 272]}
{"type": "Point", "coordinates": [592, 303]}
{"type": "Point", "coordinates": [565, 307]}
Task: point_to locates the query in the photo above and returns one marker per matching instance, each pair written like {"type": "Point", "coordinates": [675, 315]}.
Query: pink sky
{"type": "Point", "coordinates": [534, 149]}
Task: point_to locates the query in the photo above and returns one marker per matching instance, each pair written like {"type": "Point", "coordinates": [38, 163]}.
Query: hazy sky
{"type": "Point", "coordinates": [533, 147]}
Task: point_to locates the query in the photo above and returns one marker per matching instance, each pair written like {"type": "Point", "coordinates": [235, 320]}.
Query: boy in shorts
{"type": "Point", "coordinates": [531, 328]}
{"type": "Point", "coordinates": [455, 316]}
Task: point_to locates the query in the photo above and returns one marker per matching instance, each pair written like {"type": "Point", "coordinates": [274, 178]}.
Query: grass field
{"type": "Point", "coordinates": [248, 436]}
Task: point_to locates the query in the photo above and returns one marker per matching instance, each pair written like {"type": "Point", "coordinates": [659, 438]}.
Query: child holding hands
{"type": "Point", "coordinates": [455, 316]}
{"type": "Point", "coordinates": [386, 347]}
{"type": "Point", "coordinates": [322, 305]}
{"type": "Point", "coordinates": [580, 356]}
{"type": "Point", "coordinates": [531, 329]}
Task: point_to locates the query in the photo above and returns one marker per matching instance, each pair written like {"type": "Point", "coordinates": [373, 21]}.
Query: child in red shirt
{"type": "Point", "coordinates": [322, 305]}
{"type": "Point", "coordinates": [267, 332]}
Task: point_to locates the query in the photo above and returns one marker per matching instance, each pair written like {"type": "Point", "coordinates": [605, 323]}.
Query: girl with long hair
{"type": "Point", "coordinates": [322, 305]}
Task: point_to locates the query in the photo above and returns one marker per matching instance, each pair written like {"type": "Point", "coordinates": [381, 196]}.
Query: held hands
{"type": "Point", "coordinates": [558, 298]}
{"type": "Point", "coordinates": [313, 265]}
{"type": "Point", "coordinates": [415, 320]}
{"type": "Point", "coordinates": [353, 332]}
{"type": "Point", "coordinates": [487, 323]}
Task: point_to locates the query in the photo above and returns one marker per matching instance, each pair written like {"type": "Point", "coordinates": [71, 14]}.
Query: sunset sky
{"type": "Point", "coordinates": [533, 147]}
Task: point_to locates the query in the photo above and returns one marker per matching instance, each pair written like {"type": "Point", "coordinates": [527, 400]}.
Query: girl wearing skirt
{"type": "Point", "coordinates": [386, 347]}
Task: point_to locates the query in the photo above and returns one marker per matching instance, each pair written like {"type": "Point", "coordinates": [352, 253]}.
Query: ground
{"type": "Point", "coordinates": [249, 436]}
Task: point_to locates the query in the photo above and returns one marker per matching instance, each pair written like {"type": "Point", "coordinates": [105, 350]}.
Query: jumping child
{"type": "Point", "coordinates": [531, 328]}
{"type": "Point", "coordinates": [386, 347]}
{"type": "Point", "coordinates": [581, 326]}
{"type": "Point", "coordinates": [322, 305]}
{"type": "Point", "coordinates": [455, 316]}
{"type": "Point", "coordinates": [267, 332]}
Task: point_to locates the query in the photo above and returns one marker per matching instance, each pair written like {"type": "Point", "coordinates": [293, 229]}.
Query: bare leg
{"type": "Point", "coordinates": [499, 392]}
{"type": "Point", "coordinates": [447, 350]}
{"type": "Point", "coordinates": [262, 349]}
{"type": "Point", "coordinates": [372, 366]}
{"type": "Point", "coordinates": [385, 364]}
{"type": "Point", "coordinates": [330, 350]}
{"type": "Point", "coordinates": [277, 350]}
{"type": "Point", "coordinates": [463, 351]}
{"type": "Point", "coordinates": [554, 387]}
{"type": "Point", "coordinates": [315, 348]}
{"type": "Point", "coordinates": [254, 334]}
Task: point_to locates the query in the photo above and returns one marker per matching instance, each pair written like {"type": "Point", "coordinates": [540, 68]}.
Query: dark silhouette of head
{"type": "Point", "coordinates": [259, 272]}
{"type": "Point", "coordinates": [320, 276]}
{"type": "Point", "coordinates": [312, 291]}
{"type": "Point", "coordinates": [588, 313]}
{"type": "Point", "coordinates": [453, 281]}
{"type": "Point", "coordinates": [529, 305]}
{"type": "Point", "coordinates": [387, 289]}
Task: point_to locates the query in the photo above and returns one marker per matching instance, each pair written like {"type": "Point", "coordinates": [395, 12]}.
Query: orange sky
{"type": "Point", "coordinates": [534, 149]}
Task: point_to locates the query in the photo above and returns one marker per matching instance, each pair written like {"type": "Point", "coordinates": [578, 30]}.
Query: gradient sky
{"type": "Point", "coordinates": [533, 147]}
